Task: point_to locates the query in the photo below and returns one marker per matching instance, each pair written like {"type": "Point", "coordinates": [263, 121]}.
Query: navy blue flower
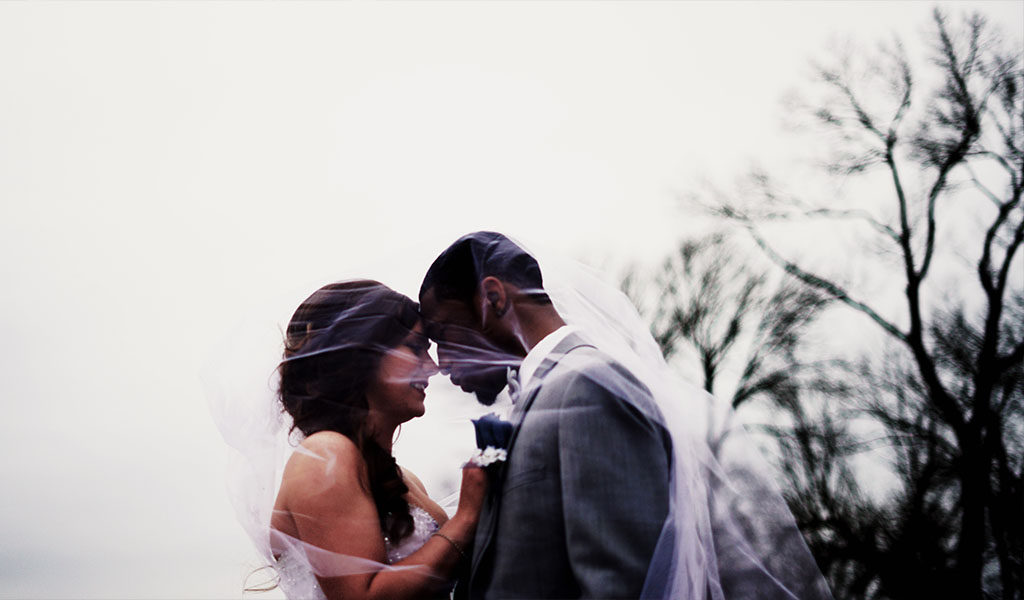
{"type": "Point", "coordinates": [492, 432]}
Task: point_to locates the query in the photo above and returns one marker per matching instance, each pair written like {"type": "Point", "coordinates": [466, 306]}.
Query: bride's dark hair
{"type": "Point", "coordinates": [333, 346]}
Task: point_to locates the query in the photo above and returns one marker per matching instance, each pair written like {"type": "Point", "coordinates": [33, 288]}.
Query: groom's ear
{"type": "Point", "coordinates": [494, 296]}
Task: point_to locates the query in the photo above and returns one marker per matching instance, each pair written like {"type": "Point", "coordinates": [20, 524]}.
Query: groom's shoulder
{"type": "Point", "coordinates": [589, 368]}
{"type": "Point", "coordinates": [588, 362]}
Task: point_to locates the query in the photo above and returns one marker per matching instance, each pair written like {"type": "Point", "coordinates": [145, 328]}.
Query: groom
{"type": "Point", "coordinates": [579, 506]}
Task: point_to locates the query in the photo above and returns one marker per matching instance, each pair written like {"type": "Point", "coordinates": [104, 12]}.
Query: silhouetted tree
{"type": "Point", "coordinates": [709, 302]}
{"type": "Point", "coordinates": [745, 334]}
{"type": "Point", "coordinates": [948, 399]}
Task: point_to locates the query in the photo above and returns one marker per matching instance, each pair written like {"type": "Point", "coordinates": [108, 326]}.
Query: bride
{"type": "Point", "coordinates": [348, 521]}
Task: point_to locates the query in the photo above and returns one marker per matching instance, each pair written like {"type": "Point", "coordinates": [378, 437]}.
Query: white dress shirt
{"type": "Point", "coordinates": [538, 353]}
{"type": "Point", "coordinates": [504, 405]}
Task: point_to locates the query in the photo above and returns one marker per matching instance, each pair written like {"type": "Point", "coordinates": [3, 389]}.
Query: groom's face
{"type": "Point", "coordinates": [466, 353]}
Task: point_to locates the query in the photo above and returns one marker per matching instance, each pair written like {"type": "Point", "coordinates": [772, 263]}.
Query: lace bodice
{"type": "Point", "coordinates": [424, 526]}
{"type": "Point", "coordinates": [295, 577]}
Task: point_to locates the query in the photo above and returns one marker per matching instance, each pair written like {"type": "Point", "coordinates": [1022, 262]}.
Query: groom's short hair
{"type": "Point", "coordinates": [456, 273]}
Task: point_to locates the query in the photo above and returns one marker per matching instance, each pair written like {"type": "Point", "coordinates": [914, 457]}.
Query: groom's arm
{"type": "Point", "coordinates": [614, 468]}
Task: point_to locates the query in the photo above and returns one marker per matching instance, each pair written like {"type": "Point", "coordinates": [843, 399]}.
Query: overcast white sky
{"type": "Point", "coordinates": [167, 166]}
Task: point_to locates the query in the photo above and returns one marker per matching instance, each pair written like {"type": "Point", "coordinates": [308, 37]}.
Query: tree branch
{"type": "Point", "coordinates": [904, 102]}
{"type": "Point", "coordinates": [981, 187]}
{"type": "Point", "coordinates": [913, 279]}
{"type": "Point", "coordinates": [880, 227]}
{"type": "Point", "coordinates": [1011, 252]}
{"type": "Point", "coordinates": [1002, 162]}
{"type": "Point", "coordinates": [994, 289]}
{"type": "Point", "coordinates": [835, 79]}
{"type": "Point", "coordinates": [929, 246]}
{"type": "Point", "coordinates": [901, 198]}
{"type": "Point", "coordinates": [827, 286]}
{"type": "Point", "coordinates": [831, 213]}
{"type": "Point", "coordinates": [968, 124]}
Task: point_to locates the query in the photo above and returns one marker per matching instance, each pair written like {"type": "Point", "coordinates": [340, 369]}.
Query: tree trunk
{"type": "Point", "coordinates": [974, 478]}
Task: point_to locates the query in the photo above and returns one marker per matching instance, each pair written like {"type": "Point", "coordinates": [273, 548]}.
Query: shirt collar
{"type": "Point", "coordinates": [538, 353]}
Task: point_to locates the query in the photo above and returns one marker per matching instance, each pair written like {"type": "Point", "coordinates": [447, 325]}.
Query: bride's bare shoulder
{"type": "Point", "coordinates": [331, 441]}
{"type": "Point", "coordinates": [328, 458]}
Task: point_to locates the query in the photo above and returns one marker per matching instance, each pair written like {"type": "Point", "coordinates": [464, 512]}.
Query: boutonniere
{"type": "Point", "coordinates": [492, 437]}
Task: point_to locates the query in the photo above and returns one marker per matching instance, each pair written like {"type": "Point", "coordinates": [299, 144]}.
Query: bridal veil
{"type": "Point", "coordinates": [729, 535]}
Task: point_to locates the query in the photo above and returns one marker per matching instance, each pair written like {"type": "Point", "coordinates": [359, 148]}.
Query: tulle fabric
{"type": "Point", "coordinates": [730, 534]}
{"type": "Point", "coordinates": [298, 564]}
{"type": "Point", "coordinates": [241, 381]}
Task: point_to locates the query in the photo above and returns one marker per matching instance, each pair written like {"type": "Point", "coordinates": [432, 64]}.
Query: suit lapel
{"type": "Point", "coordinates": [570, 343]}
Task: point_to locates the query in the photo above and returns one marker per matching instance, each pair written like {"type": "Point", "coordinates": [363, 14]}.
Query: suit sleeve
{"type": "Point", "coordinates": [614, 468]}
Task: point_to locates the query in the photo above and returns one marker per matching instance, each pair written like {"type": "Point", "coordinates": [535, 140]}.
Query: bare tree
{"type": "Point", "coordinates": [952, 411]}
{"type": "Point", "coordinates": [708, 301]}
{"type": "Point", "coordinates": [713, 306]}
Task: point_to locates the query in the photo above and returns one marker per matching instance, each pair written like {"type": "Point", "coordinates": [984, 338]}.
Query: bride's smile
{"type": "Point", "coordinates": [398, 391]}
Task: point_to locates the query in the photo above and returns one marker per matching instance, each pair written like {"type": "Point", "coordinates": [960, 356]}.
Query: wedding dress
{"type": "Point", "coordinates": [295, 572]}
{"type": "Point", "coordinates": [424, 526]}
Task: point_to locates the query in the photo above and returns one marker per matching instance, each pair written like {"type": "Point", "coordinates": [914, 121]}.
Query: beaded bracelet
{"type": "Point", "coordinates": [458, 548]}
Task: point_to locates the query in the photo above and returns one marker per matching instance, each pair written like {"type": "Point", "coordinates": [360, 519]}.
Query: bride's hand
{"type": "Point", "coordinates": [471, 496]}
{"type": "Point", "coordinates": [461, 527]}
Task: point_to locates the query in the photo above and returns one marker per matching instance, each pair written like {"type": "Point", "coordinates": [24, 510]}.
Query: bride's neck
{"type": "Point", "coordinates": [381, 433]}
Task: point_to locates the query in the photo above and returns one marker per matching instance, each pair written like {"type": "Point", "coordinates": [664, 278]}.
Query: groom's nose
{"type": "Point", "coordinates": [432, 368]}
{"type": "Point", "coordinates": [445, 360]}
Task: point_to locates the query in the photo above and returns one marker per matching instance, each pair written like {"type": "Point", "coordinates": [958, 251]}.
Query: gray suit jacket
{"type": "Point", "coordinates": [579, 506]}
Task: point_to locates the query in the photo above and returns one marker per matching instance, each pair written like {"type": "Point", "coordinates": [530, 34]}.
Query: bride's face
{"type": "Point", "coordinates": [399, 389]}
